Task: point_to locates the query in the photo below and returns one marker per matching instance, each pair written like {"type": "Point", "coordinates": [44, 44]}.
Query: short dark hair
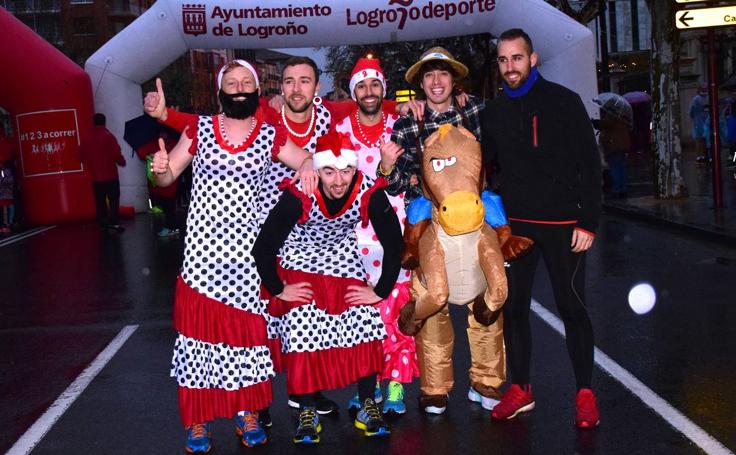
{"type": "Point", "coordinates": [99, 119]}
{"type": "Point", "coordinates": [431, 66]}
{"type": "Point", "coordinates": [514, 33]}
{"type": "Point", "coordinates": [298, 60]}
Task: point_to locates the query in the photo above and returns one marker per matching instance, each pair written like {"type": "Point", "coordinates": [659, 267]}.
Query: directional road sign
{"type": "Point", "coordinates": [705, 17]}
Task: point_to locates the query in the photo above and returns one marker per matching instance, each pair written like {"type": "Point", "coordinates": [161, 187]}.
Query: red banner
{"type": "Point", "coordinates": [49, 142]}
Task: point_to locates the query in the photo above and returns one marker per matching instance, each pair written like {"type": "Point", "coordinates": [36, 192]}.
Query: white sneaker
{"type": "Point", "coordinates": [485, 402]}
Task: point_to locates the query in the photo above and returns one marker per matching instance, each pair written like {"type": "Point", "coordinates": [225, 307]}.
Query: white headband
{"type": "Point", "coordinates": [242, 63]}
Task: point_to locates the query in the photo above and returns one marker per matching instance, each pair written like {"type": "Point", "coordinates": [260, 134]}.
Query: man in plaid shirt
{"type": "Point", "coordinates": [436, 72]}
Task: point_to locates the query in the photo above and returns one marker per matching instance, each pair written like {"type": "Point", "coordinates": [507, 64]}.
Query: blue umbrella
{"type": "Point", "coordinates": [143, 129]}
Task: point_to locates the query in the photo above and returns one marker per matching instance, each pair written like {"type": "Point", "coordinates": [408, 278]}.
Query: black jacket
{"type": "Point", "coordinates": [546, 155]}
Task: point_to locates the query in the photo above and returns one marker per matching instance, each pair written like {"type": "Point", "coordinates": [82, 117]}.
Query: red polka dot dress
{"type": "Point", "coordinates": [221, 360]}
{"type": "Point", "coordinates": [400, 358]}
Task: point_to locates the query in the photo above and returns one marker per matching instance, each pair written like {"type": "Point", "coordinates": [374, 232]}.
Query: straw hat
{"type": "Point", "coordinates": [440, 54]}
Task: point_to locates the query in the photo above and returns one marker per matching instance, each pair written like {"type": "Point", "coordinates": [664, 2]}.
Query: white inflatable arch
{"type": "Point", "coordinates": [171, 27]}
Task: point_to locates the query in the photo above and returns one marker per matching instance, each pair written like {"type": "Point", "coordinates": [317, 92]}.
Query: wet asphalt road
{"type": "Point", "coordinates": [67, 292]}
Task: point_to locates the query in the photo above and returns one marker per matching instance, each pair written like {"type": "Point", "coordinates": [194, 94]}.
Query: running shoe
{"type": "Point", "coordinates": [515, 401]}
{"type": "Point", "coordinates": [249, 429]}
{"type": "Point", "coordinates": [433, 404]}
{"type": "Point", "coordinates": [198, 438]}
{"type": "Point", "coordinates": [354, 403]}
{"type": "Point", "coordinates": [395, 400]}
{"type": "Point", "coordinates": [323, 404]}
{"type": "Point", "coordinates": [586, 409]}
{"type": "Point", "coordinates": [487, 396]}
{"type": "Point", "coordinates": [307, 432]}
{"type": "Point", "coordinates": [166, 232]}
{"type": "Point", "coordinates": [370, 420]}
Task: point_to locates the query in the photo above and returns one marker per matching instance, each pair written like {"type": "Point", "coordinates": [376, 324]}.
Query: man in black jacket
{"type": "Point", "coordinates": [539, 135]}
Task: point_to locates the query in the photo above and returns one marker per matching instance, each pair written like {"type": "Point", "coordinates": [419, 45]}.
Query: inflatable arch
{"type": "Point", "coordinates": [170, 27]}
{"type": "Point", "coordinates": [50, 100]}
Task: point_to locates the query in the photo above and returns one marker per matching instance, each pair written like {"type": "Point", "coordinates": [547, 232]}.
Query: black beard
{"type": "Point", "coordinates": [375, 110]}
{"type": "Point", "coordinates": [238, 109]}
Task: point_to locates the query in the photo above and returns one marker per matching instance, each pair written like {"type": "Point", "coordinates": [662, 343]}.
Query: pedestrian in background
{"type": "Point", "coordinates": [615, 139]}
{"type": "Point", "coordinates": [100, 153]}
{"type": "Point", "coordinates": [700, 117]}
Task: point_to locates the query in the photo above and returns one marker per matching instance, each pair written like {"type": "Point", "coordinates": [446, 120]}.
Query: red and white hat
{"type": "Point", "coordinates": [240, 62]}
{"type": "Point", "coordinates": [334, 149]}
{"type": "Point", "coordinates": [366, 68]}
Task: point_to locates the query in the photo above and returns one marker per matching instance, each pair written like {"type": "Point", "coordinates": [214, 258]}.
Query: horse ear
{"type": "Point", "coordinates": [466, 133]}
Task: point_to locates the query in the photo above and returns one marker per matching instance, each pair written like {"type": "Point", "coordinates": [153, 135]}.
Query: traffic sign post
{"type": "Point", "coordinates": [710, 17]}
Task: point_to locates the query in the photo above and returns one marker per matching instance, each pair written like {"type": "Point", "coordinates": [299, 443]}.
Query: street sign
{"type": "Point", "coordinates": [705, 17]}
{"type": "Point", "coordinates": [690, 1]}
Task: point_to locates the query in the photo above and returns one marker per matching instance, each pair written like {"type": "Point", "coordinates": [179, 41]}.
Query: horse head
{"type": "Point", "coordinates": [451, 176]}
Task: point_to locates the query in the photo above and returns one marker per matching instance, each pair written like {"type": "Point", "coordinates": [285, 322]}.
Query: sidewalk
{"type": "Point", "coordinates": [694, 213]}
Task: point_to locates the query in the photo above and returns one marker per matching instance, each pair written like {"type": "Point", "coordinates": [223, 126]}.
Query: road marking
{"type": "Point", "coordinates": [675, 418]}
{"type": "Point", "coordinates": [38, 430]}
{"type": "Point", "coordinates": [24, 235]}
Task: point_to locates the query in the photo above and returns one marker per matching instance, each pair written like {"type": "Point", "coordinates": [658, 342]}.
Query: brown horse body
{"type": "Point", "coordinates": [459, 254]}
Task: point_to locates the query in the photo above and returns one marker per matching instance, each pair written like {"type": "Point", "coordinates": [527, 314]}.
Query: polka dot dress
{"type": "Point", "coordinates": [328, 246]}
{"type": "Point", "coordinates": [400, 361]}
{"type": "Point", "coordinates": [218, 270]}
{"type": "Point", "coordinates": [269, 195]}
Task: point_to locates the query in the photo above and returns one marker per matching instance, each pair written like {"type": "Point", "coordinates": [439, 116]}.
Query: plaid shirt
{"type": "Point", "coordinates": [407, 173]}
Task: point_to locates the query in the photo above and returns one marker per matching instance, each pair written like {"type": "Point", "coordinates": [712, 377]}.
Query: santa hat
{"type": "Point", "coordinates": [235, 62]}
{"type": "Point", "coordinates": [335, 149]}
{"type": "Point", "coordinates": [366, 68]}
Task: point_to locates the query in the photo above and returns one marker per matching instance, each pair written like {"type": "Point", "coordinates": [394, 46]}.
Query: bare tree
{"type": "Point", "coordinates": [475, 51]}
{"type": "Point", "coordinates": [665, 74]}
{"type": "Point", "coordinates": [583, 13]}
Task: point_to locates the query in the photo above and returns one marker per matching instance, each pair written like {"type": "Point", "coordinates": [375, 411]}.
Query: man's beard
{"type": "Point", "coordinates": [522, 78]}
{"type": "Point", "coordinates": [370, 111]}
{"type": "Point", "coordinates": [300, 109]}
{"type": "Point", "coordinates": [238, 109]}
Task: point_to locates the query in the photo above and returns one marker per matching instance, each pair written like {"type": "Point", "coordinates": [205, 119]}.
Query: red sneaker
{"type": "Point", "coordinates": [515, 401]}
{"type": "Point", "coordinates": [586, 409]}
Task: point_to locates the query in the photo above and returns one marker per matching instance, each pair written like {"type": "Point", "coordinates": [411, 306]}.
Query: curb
{"type": "Point", "coordinates": [636, 213]}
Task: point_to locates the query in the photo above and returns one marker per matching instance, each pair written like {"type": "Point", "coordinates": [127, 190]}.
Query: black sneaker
{"type": "Point", "coordinates": [264, 418]}
{"type": "Point", "coordinates": [307, 432]}
{"type": "Point", "coordinates": [324, 405]}
{"type": "Point", "coordinates": [370, 420]}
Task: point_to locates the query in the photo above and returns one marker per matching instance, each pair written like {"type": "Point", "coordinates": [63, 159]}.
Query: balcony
{"type": "Point", "coordinates": [32, 6]}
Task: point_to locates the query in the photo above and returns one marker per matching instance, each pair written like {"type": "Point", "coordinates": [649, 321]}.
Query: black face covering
{"type": "Point", "coordinates": [238, 109]}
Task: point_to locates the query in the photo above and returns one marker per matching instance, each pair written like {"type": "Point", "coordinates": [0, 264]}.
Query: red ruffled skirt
{"type": "Point", "coordinates": [327, 343]}
{"type": "Point", "coordinates": [208, 322]}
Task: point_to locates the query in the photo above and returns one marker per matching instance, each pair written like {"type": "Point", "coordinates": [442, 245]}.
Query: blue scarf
{"type": "Point", "coordinates": [525, 87]}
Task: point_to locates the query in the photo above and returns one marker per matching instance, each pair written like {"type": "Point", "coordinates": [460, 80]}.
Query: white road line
{"type": "Point", "coordinates": [24, 235]}
{"type": "Point", "coordinates": [675, 418]}
{"type": "Point", "coordinates": [38, 430]}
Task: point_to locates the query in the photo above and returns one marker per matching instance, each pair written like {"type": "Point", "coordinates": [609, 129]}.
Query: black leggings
{"type": "Point", "coordinates": [366, 387]}
{"type": "Point", "coordinates": [567, 275]}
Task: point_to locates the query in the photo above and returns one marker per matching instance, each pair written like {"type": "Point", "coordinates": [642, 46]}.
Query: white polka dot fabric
{"type": "Point", "coordinates": [308, 329]}
{"type": "Point", "coordinates": [201, 365]}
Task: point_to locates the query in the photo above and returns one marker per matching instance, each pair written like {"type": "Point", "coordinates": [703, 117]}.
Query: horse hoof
{"type": "Point", "coordinates": [407, 324]}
